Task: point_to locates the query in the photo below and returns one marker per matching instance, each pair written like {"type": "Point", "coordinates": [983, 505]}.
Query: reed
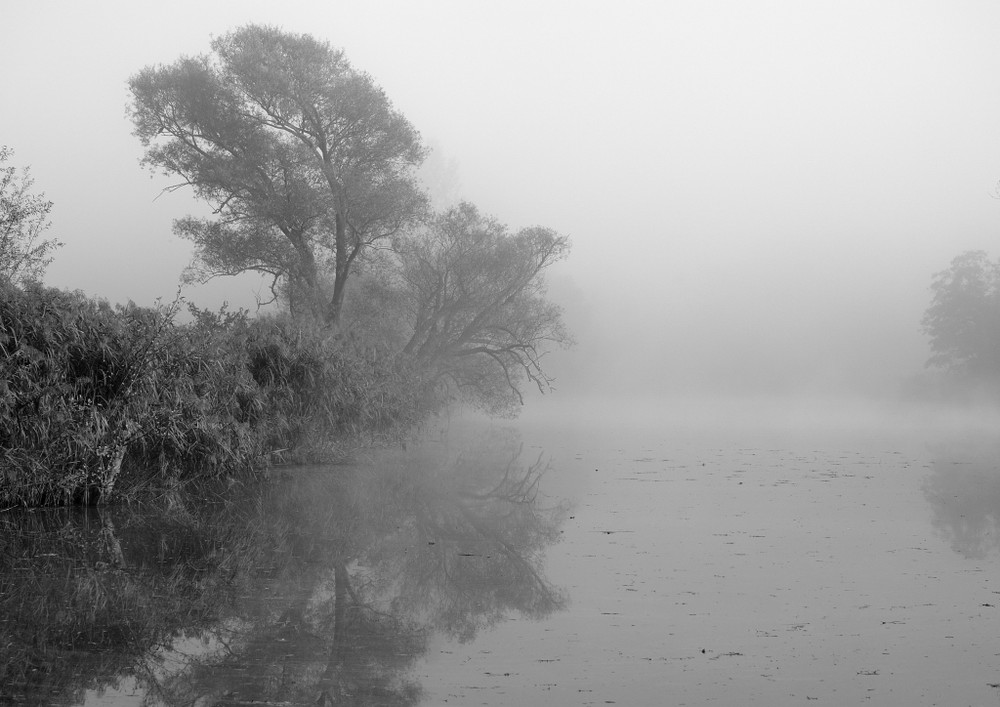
{"type": "Point", "coordinates": [97, 400]}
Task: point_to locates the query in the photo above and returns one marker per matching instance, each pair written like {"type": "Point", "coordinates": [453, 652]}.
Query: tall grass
{"type": "Point", "coordinates": [95, 398]}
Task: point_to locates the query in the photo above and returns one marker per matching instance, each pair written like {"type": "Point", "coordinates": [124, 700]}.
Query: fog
{"type": "Point", "coordinates": [758, 193]}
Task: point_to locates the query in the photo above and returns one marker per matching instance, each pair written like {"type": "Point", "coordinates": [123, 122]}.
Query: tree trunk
{"type": "Point", "coordinates": [341, 265]}
{"type": "Point", "coordinates": [330, 684]}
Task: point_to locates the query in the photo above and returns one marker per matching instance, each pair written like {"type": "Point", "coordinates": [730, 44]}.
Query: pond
{"type": "Point", "coordinates": [664, 560]}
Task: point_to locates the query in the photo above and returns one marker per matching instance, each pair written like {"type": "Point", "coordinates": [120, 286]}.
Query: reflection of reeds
{"type": "Point", "coordinates": [327, 580]}
{"type": "Point", "coordinates": [91, 615]}
{"type": "Point", "coordinates": [74, 588]}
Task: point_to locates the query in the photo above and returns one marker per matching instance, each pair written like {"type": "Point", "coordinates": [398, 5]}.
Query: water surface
{"type": "Point", "coordinates": [838, 559]}
{"type": "Point", "coordinates": [580, 561]}
{"type": "Point", "coordinates": [324, 586]}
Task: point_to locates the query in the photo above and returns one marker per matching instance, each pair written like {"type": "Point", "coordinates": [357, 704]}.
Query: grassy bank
{"type": "Point", "coordinates": [99, 400]}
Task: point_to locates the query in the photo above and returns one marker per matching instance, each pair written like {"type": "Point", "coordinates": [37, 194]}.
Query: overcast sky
{"type": "Point", "coordinates": [758, 192]}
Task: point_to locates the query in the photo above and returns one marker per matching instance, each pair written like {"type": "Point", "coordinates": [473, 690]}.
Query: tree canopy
{"type": "Point", "coordinates": [310, 172]}
{"type": "Point", "coordinates": [963, 320]}
{"type": "Point", "coordinates": [477, 311]}
{"type": "Point", "coordinates": [303, 159]}
{"type": "Point", "coordinates": [24, 217]}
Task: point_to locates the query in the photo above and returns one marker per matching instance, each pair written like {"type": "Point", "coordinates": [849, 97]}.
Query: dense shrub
{"type": "Point", "coordinates": [72, 371]}
{"type": "Point", "coordinates": [328, 390]}
{"type": "Point", "coordinates": [203, 408]}
{"type": "Point", "coordinates": [94, 397]}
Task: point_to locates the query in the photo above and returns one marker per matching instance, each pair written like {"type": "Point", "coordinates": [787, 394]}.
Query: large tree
{"type": "Point", "coordinates": [963, 320]}
{"type": "Point", "coordinates": [24, 217]}
{"type": "Point", "coordinates": [303, 159]}
{"type": "Point", "coordinates": [478, 315]}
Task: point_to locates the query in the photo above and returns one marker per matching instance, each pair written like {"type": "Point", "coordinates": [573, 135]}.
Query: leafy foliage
{"type": "Point", "coordinates": [477, 312]}
{"type": "Point", "coordinates": [24, 254]}
{"type": "Point", "coordinates": [963, 320]}
{"type": "Point", "coordinates": [328, 390]}
{"type": "Point", "coordinates": [67, 375]}
{"type": "Point", "coordinates": [303, 158]}
{"type": "Point", "coordinates": [91, 395]}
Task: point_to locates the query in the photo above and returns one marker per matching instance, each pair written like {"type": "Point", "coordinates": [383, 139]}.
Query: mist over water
{"type": "Point", "coordinates": [759, 419]}
{"type": "Point", "coordinates": [759, 550]}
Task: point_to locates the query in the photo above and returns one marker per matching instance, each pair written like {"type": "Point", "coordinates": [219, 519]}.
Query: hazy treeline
{"type": "Point", "coordinates": [963, 326]}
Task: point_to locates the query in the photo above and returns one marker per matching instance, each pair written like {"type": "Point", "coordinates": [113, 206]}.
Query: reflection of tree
{"type": "Point", "coordinates": [964, 492]}
{"type": "Point", "coordinates": [305, 632]}
{"type": "Point", "coordinates": [471, 550]}
{"type": "Point", "coordinates": [324, 588]}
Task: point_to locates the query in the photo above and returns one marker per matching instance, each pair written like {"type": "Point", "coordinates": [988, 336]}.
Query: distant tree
{"type": "Point", "coordinates": [24, 217]}
{"type": "Point", "coordinates": [477, 312]}
{"type": "Point", "coordinates": [303, 159]}
{"type": "Point", "coordinates": [963, 320]}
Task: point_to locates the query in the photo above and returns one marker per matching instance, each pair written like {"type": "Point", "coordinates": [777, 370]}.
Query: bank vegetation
{"type": "Point", "coordinates": [386, 312]}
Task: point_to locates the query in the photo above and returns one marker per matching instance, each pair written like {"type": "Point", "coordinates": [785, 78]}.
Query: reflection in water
{"type": "Point", "coordinates": [322, 588]}
{"type": "Point", "coordinates": [964, 492]}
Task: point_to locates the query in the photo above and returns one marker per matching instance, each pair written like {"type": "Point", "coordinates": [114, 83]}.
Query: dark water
{"type": "Point", "coordinates": [588, 560]}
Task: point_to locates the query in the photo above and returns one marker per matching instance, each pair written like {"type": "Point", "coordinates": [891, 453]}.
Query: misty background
{"type": "Point", "coordinates": [758, 194]}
